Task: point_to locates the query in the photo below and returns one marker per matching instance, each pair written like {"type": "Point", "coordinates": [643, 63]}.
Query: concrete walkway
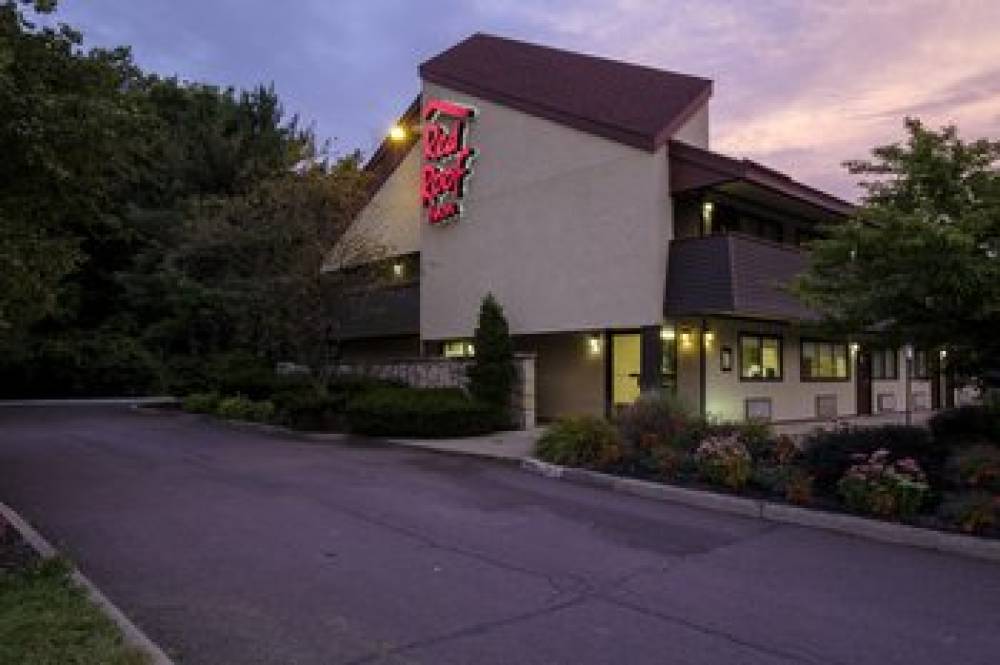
{"type": "Point", "coordinates": [510, 445]}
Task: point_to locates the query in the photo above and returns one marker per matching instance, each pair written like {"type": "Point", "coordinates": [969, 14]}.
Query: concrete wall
{"type": "Point", "coordinates": [569, 379]}
{"type": "Point", "coordinates": [569, 230]}
{"type": "Point", "coordinates": [390, 222]}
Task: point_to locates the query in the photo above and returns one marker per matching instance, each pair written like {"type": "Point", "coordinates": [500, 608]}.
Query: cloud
{"type": "Point", "coordinates": [800, 86]}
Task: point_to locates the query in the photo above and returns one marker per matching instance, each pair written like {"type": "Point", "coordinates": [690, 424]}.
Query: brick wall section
{"type": "Point", "coordinates": [451, 373]}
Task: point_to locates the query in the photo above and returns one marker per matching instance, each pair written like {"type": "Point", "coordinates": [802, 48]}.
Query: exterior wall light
{"type": "Point", "coordinates": [855, 347]}
{"type": "Point", "coordinates": [685, 338]}
{"type": "Point", "coordinates": [709, 336]}
{"type": "Point", "coordinates": [398, 133]}
{"type": "Point", "coordinates": [908, 351]}
{"type": "Point", "coordinates": [943, 353]}
{"type": "Point", "coordinates": [667, 333]}
{"type": "Point", "coordinates": [397, 269]}
{"type": "Point", "coordinates": [594, 345]}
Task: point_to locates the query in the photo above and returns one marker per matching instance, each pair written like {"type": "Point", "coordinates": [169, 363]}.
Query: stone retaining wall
{"type": "Point", "coordinates": [451, 373]}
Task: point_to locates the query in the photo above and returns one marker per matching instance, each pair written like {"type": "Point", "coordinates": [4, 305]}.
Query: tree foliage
{"type": "Point", "coordinates": [492, 373]}
{"type": "Point", "coordinates": [148, 224]}
{"type": "Point", "coordinates": [919, 262]}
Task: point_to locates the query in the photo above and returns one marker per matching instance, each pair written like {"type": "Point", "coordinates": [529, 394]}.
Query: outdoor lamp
{"type": "Point", "coordinates": [667, 333]}
{"type": "Point", "coordinates": [397, 269]}
{"type": "Point", "coordinates": [709, 336]}
{"type": "Point", "coordinates": [908, 351]}
{"type": "Point", "coordinates": [594, 344]}
{"type": "Point", "coordinates": [685, 337]}
{"type": "Point", "coordinates": [854, 348]}
{"type": "Point", "coordinates": [943, 353]}
{"type": "Point", "coordinates": [397, 133]}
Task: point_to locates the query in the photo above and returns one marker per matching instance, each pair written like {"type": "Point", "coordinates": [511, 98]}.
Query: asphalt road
{"type": "Point", "coordinates": [240, 548]}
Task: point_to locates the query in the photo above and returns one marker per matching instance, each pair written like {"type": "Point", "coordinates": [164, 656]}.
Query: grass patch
{"type": "Point", "coordinates": [45, 619]}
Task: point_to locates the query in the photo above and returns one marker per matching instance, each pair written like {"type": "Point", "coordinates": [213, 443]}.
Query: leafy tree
{"type": "Point", "coordinates": [492, 373]}
{"type": "Point", "coordinates": [920, 260]}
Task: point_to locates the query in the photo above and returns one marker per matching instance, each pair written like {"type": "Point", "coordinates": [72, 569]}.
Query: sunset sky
{"type": "Point", "coordinates": [799, 86]}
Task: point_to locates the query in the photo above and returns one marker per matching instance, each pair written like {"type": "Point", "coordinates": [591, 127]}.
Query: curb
{"type": "Point", "coordinates": [131, 634]}
{"type": "Point", "coordinates": [885, 532]}
{"type": "Point", "coordinates": [134, 402]}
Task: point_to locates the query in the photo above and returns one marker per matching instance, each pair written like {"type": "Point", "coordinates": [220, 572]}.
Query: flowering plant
{"type": "Point", "coordinates": [724, 460]}
{"type": "Point", "coordinates": [877, 485]}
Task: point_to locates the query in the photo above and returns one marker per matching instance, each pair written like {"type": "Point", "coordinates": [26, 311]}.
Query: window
{"type": "Point", "coordinates": [885, 364]}
{"type": "Point", "coordinates": [760, 357]}
{"type": "Point", "coordinates": [458, 348]}
{"type": "Point", "coordinates": [758, 408]}
{"type": "Point", "coordinates": [824, 361]}
{"type": "Point", "coordinates": [668, 337]}
{"type": "Point", "coordinates": [920, 368]}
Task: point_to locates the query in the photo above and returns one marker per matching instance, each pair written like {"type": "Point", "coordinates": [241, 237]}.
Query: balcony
{"type": "Point", "coordinates": [734, 275]}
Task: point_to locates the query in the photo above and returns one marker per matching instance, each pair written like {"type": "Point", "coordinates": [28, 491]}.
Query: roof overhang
{"type": "Point", "coordinates": [695, 169]}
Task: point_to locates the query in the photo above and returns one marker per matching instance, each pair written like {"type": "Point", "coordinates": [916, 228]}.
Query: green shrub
{"type": "Point", "coordinates": [878, 485]}
{"type": "Point", "coordinates": [976, 467]}
{"type": "Point", "coordinates": [586, 441]}
{"type": "Point", "coordinates": [420, 412]}
{"type": "Point", "coordinates": [663, 417]}
{"type": "Point", "coordinates": [201, 402]}
{"type": "Point", "coordinates": [972, 512]}
{"type": "Point", "coordinates": [307, 408]}
{"type": "Point", "coordinates": [243, 408]}
{"type": "Point", "coordinates": [724, 460]}
{"type": "Point", "coordinates": [492, 374]}
{"type": "Point", "coordinates": [756, 435]}
{"type": "Point", "coordinates": [828, 454]}
{"type": "Point", "coordinates": [243, 374]}
{"type": "Point", "coordinates": [967, 424]}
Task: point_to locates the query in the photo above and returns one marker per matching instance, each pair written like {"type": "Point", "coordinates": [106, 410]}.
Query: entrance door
{"type": "Point", "coordinates": [625, 354]}
{"type": "Point", "coordinates": [863, 378]}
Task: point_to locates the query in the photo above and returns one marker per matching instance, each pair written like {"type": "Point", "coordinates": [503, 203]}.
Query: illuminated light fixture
{"type": "Point", "coordinates": [943, 353]}
{"type": "Point", "coordinates": [594, 345]}
{"type": "Point", "coordinates": [685, 337]}
{"type": "Point", "coordinates": [397, 133]}
{"type": "Point", "coordinates": [709, 336]}
{"type": "Point", "coordinates": [470, 349]}
{"type": "Point", "coordinates": [908, 351]}
{"type": "Point", "coordinates": [397, 269]}
{"type": "Point", "coordinates": [707, 208]}
{"type": "Point", "coordinates": [667, 333]}
{"type": "Point", "coordinates": [854, 348]}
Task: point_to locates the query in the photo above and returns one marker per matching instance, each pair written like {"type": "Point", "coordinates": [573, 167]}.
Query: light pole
{"type": "Point", "coordinates": [908, 351]}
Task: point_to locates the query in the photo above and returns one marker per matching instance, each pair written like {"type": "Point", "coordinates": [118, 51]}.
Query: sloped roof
{"type": "Point", "coordinates": [635, 105]}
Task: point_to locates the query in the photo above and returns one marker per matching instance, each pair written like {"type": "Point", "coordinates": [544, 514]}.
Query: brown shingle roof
{"type": "Point", "coordinates": [639, 106]}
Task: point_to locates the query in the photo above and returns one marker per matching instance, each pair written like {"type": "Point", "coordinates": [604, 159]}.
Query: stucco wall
{"type": "Point", "coordinates": [569, 380]}
{"type": "Point", "coordinates": [791, 398]}
{"type": "Point", "coordinates": [390, 222]}
{"type": "Point", "coordinates": [567, 229]}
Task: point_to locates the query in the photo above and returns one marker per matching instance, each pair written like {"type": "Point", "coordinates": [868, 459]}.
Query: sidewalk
{"type": "Point", "coordinates": [511, 445]}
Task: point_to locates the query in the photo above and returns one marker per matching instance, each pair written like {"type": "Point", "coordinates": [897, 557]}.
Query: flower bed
{"type": "Point", "coordinates": [890, 472]}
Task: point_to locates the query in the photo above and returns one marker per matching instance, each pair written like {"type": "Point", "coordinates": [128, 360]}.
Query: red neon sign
{"type": "Point", "coordinates": [446, 159]}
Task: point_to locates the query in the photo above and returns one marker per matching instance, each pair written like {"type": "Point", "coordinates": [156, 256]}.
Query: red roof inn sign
{"type": "Point", "coordinates": [447, 159]}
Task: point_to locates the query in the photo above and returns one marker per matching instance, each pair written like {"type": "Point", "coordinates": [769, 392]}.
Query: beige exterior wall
{"type": "Point", "coordinates": [791, 398]}
{"type": "Point", "coordinates": [569, 380]}
{"type": "Point", "coordinates": [567, 229]}
{"type": "Point", "coordinates": [390, 223]}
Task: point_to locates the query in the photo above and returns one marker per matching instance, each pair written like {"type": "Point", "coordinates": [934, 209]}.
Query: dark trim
{"type": "Point", "coordinates": [650, 359]}
{"type": "Point", "coordinates": [781, 356]}
{"type": "Point", "coordinates": [825, 379]}
{"type": "Point", "coordinates": [609, 380]}
{"type": "Point", "coordinates": [696, 168]}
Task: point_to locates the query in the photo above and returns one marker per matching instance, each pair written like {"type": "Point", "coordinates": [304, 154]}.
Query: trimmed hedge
{"type": "Point", "coordinates": [419, 412]}
{"type": "Point", "coordinates": [967, 424]}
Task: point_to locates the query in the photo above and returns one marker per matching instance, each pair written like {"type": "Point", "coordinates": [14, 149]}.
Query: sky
{"type": "Point", "coordinates": [799, 85]}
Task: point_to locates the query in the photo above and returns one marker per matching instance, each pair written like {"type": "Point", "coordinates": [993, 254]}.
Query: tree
{"type": "Point", "coordinates": [919, 261]}
{"type": "Point", "coordinates": [262, 254]}
{"type": "Point", "coordinates": [492, 373]}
